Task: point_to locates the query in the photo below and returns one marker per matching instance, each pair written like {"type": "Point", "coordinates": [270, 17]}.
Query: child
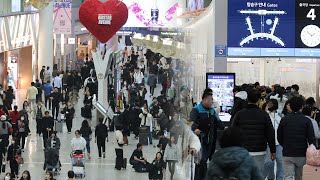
{"type": "Point", "coordinates": [158, 167]}
{"type": "Point", "coordinates": [171, 155]}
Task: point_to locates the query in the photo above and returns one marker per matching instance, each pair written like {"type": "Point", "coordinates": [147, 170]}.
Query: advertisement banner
{"type": "Point", "coordinates": [62, 16]}
{"type": "Point", "coordinates": [152, 13]}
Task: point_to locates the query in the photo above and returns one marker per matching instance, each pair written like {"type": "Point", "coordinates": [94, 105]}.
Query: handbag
{"type": "Point", "coordinates": [19, 159]}
{"type": "Point", "coordinates": [313, 156]}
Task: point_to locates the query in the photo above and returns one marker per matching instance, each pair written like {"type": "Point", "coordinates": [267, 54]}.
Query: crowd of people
{"type": "Point", "coordinates": [267, 124]}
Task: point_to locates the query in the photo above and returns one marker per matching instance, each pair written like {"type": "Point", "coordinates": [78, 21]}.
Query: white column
{"type": "Point", "coordinates": [45, 45]}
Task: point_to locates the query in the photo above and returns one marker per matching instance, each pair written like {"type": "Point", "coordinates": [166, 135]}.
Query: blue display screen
{"type": "Point", "coordinates": [274, 28]}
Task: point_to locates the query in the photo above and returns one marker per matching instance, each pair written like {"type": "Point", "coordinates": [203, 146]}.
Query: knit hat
{"type": "Point", "coordinates": [3, 118]}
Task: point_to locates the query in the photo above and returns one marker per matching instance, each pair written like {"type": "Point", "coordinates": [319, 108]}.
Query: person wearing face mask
{"type": "Point", "coordinates": [8, 176]}
{"type": "Point", "coordinates": [272, 108]}
{"type": "Point", "coordinates": [22, 130]}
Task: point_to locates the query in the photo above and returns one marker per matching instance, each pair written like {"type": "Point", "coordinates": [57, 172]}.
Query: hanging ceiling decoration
{"type": "Point", "coordinates": [38, 4]}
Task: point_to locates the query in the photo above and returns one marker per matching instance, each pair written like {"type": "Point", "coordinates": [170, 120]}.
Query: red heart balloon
{"type": "Point", "coordinates": [88, 15]}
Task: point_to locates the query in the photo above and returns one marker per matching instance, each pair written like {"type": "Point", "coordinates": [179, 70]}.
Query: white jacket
{"type": "Point", "coordinates": [32, 93]}
{"type": "Point", "coordinates": [275, 119]}
{"type": "Point", "coordinates": [119, 139]}
{"type": "Point", "coordinates": [315, 127]}
{"type": "Point", "coordinates": [146, 119]}
{"type": "Point", "coordinates": [138, 77]}
{"type": "Point", "coordinates": [281, 103]}
{"type": "Point", "coordinates": [78, 143]}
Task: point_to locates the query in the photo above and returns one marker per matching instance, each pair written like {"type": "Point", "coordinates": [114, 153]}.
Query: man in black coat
{"type": "Point", "coordinates": [47, 127]}
{"type": "Point", "coordinates": [295, 133]}
{"type": "Point", "coordinates": [101, 133]}
{"type": "Point", "coordinates": [258, 127]}
{"type": "Point", "coordinates": [55, 99]}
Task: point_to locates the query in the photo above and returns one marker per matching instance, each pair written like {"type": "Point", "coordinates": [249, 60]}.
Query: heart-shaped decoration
{"type": "Point", "coordinates": [89, 13]}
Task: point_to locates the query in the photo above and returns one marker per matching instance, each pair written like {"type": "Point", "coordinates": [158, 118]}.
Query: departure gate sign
{"type": "Point", "coordinates": [283, 28]}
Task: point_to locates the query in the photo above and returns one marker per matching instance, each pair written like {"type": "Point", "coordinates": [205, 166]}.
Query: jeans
{"type": "Point", "coordinates": [293, 167]}
{"type": "Point", "coordinates": [149, 135]}
{"type": "Point", "coordinates": [46, 99]}
{"type": "Point", "coordinates": [88, 144]}
{"type": "Point", "coordinates": [171, 167]}
{"type": "Point", "coordinates": [269, 165]}
{"type": "Point", "coordinates": [260, 162]}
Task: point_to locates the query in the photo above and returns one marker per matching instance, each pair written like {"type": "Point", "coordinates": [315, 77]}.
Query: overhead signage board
{"type": "Point", "coordinates": [274, 28]}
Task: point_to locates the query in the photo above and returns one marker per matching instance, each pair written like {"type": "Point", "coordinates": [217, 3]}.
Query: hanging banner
{"type": "Point", "coordinates": [62, 16]}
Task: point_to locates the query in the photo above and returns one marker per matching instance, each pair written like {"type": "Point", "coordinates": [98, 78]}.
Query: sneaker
{"type": "Point", "coordinates": [69, 132]}
{"type": "Point", "coordinates": [99, 157]}
{"type": "Point", "coordinates": [104, 155]}
{"type": "Point", "coordinates": [89, 157]}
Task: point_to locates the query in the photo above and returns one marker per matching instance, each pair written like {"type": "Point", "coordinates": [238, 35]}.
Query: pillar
{"type": "Point", "coordinates": [45, 42]}
{"type": "Point", "coordinates": [221, 32]}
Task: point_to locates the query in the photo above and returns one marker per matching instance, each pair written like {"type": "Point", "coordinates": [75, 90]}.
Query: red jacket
{"type": "Point", "coordinates": [14, 117]}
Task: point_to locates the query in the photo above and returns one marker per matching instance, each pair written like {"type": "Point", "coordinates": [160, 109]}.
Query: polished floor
{"type": "Point", "coordinates": [99, 169]}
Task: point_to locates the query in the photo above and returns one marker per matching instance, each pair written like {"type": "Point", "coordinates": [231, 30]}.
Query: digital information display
{"type": "Point", "coordinates": [283, 28]}
{"type": "Point", "coordinates": [222, 85]}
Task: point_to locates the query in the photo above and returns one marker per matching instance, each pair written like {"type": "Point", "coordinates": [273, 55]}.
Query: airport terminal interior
{"type": "Point", "coordinates": [159, 89]}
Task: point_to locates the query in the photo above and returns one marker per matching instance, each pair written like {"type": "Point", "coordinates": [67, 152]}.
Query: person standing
{"type": "Point", "coordinates": [47, 127]}
{"type": "Point", "coordinates": [56, 99]}
{"type": "Point", "coordinates": [31, 95]}
{"type": "Point", "coordinates": [57, 83]}
{"type": "Point", "coordinates": [40, 113]}
{"type": "Point", "coordinates": [146, 121]}
{"type": "Point", "coordinates": [47, 88]}
{"type": "Point", "coordinates": [258, 126]}
{"type": "Point", "coordinates": [69, 112]}
{"type": "Point", "coordinates": [205, 123]}
{"type": "Point", "coordinates": [86, 133]}
{"type": "Point", "coordinates": [41, 75]}
{"type": "Point", "coordinates": [101, 133]}
{"type": "Point", "coordinates": [14, 116]}
{"type": "Point", "coordinates": [295, 132]}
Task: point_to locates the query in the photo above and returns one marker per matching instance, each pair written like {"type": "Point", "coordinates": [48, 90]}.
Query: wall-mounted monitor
{"type": "Point", "coordinates": [222, 85]}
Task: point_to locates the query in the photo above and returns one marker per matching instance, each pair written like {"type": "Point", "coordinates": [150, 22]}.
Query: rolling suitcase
{"type": "Point", "coordinates": [58, 126]}
{"type": "Point", "coordinates": [143, 135]}
{"type": "Point", "coordinates": [311, 172]}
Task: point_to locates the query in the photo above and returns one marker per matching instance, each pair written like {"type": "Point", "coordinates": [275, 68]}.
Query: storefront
{"type": "Point", "coordinates": [18, 46]}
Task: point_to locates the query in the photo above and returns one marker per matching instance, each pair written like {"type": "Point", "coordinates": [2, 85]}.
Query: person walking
{"type": "Point", "coordinates": [13, 151]}
{"type": "Point", "coordinates": [258, 126]}
{"type": "Point", "coordinates": [47, 127]}
{"type": "Point", "coordinates": [86, 133]}
{"type": "Point", "coordinates": [47, 75]}
{"type": "Point", "coordinates": [295, 132]}
{"type": "Point", "coordinates": [57, 82]}
{"type": "Point", "coordinates": [41, 74]}
{"type": "Point", "coordinates": [101, 133]}
{"type": "Point", "coordinates": [69, 111]}
{"type": "Point", "coordinates": [272, 110]}
{"type": "Point", "coordinates": [40, 113]}
{"type": "Point", "coordinates": [31, 95]}
{"type": "Point", "coordinates": [14, 116]}
{"type": "Point", "coordinates": [22, 130]}
{"type": "Point", "coordinates": [171, 155]}
{"type": "Point", "coordinates": [4, 130]}
{"type": "Point", "coordinates": [47, 88]}
{"type": "Point", "coordinates": [205, 124]}
{"type": "Point", "coordinates": [56, 99]}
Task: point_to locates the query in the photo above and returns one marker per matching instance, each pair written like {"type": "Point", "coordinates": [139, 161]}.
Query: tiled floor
{"type": "Point", "coordinates": [97, 169]}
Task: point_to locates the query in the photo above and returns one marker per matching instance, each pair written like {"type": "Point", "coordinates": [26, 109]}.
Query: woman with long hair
{"type": "Point", "coordinates": [158, 167]}
{"type": "Point", "coordinates": [25, 175]}
{"type": "Point", "coordinates": [49, 176]}
{"type": "Point", "coordinates": [281, 98]}
{"type": "Point", "coordinates": [86, 133]}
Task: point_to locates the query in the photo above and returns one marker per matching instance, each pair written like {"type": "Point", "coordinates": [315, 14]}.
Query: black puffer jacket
{"type": "Point", "coordinates": [258, 128]}
{"type": "Point", "coordinates": [294, 133]}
